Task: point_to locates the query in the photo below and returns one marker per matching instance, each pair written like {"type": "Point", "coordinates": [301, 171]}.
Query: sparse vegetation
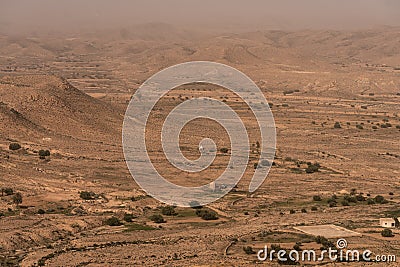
{"type": "Point", "coordinates": [41, 211]}
{"type": "Point", "coordinates": [337, 125]}
{"type": "Point", "coordinates": [326, 123]}
{"type": "Point", "coordinates": [297, 246]}
{"type": "Point", "coordinates": [360, 198]}
{"type": "Point", "coordinates": [168, 211]}
{"type": "Point", "coordinates": [207, 215]}
{"type": "Point", "coordinates": [138, 227]}
{"type": "Point", "coordinates": [332, 202]}
{"type": "Point", "coordinates": [157, 218]}
{"type": "Point", "coordinates": [44, 153]}
{"type": "Point", "coordinates": [248, 250]}
{"type": "Point", "coordinates": [17, 199]}
{"type": "Point", "coordinates": [326, 243]}
{"type": "Point", "coordinates": [7, 191]}
{"type": "Point", "coordinates": [113, 221]}
{"type": "Point", "coordinates": [224, 150]}
{"type": "Point", "coordinates": [380, 200]}
{"type": "Point", "coordinates": [312, 168]}
{"type": "Point", "coordinates": [345, 203]}
{"type": "Point", "coordinates": [14, 146]}
{"type": "Point", "coordinates": [387, 233]}
{"type": "Point", "coordinates": [128, 217]}
{"type": "Point", "coordinates": [86, 195]}
{"type": "Point", "coordinates": [317, 198]}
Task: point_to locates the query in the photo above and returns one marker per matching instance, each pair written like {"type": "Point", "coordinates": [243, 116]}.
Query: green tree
{"type": "Point", "coordinates": [168, 211]}
{"type": "Point", "coordinates": [157, 218]}
{"type": "Point", "coordinates": [14, 146]}
{"type": "Point", "coordinates": [113, 221]}
{"type": "Point", "coordinates": [387, 233]}
{"type": "Point", "coordinates": [17, 198]}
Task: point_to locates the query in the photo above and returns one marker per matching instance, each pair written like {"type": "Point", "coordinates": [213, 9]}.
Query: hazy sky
{"type": "Point", "coordinates": [32, 15]}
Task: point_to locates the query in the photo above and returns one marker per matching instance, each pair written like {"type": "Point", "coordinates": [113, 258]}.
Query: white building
{"type": "Point", "coordinates": [387, 222]}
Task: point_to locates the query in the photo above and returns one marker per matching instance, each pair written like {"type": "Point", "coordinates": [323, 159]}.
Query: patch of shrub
{"type": "Point", "coordinates": [380, 200]}
{"type": "Point", "coordinates": [303, 210]}
{"type": "Point", "coordinates": [317, 198]}
{"type": "Point", "coordinates": [314, 208]}
{"type": "Point", "coordinates": [128, 217]}
{"type": "Point", "coordinates": [350, 199]}
{"type": "Point", "coordinates": [249, 250]}
{"type": "Point", "coordinates": [387, 233]}
{"type": "Point", "coordinates": [292, 211]}
{"type": "Point", "coordinates": [345, 203]}
{"type": "Point", "coordinates": [41, 211]}
{"type": "Point", "coordinates": [44, 153]}
{"type": "Point", "coordinates": [337, 125]}
{"type": "Point", "coordinates": [207, 215]}
{"type": "Point", "coordinates": [360, 198]}
{"type": "Point", "coordinates": [86, 195]}
{"type": "Point", "coordinates": [168, 211]}
{"type": "Point", "coordinates": [371, 201]}
{"type": "Point", "coordinates": [332, 202]}
{"type": "Point", "coordinates": [113, 221]}
{"type": "Point", "coordinates": [157, 218]}
{"type": "Point", "coordinates": [224, 150]}
{"type": "Point", "coordinates": [8, 191]}
{"type": "Point", "coordinates": [288, 262]}
{"type": "Point", "coordinates": [324, 242]}
{"type": "Point", "coordinates": [312, 168]}
{"type": "Point", "coordinates": [297, 246]}
{"type": "Point", "coordinates": [17, 198]}
{"type": "Point", "coordinates": [14, 146]}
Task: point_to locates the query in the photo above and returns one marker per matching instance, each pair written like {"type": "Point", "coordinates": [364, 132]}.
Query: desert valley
{"type": "Point", "coordinates": [68, 198]}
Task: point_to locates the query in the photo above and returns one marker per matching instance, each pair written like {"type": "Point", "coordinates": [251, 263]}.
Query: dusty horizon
{"type": "Point", "coordinates": [24, 17]}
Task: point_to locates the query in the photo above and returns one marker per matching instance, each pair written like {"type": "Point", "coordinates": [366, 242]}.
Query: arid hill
{"type": "Point", "coordinates": [50, 107]}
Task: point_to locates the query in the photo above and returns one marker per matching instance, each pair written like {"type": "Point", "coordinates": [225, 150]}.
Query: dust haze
{"type": "Point", "coordinates": [46, 15]}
